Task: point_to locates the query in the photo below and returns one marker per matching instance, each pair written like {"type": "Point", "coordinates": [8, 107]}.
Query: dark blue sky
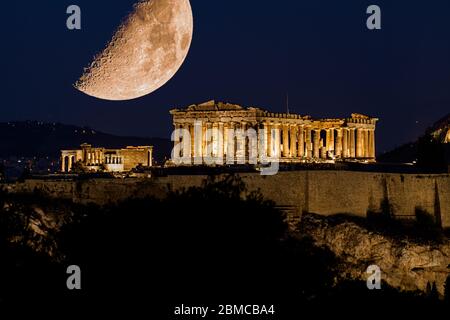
{"type": "Point", "coordinates": [250, 52]}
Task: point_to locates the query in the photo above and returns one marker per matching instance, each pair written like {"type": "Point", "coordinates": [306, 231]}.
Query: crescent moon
{"type": "Point", "coordinates": [146, 51]}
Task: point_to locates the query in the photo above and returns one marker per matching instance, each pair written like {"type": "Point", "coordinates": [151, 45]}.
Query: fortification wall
{"type": "Point", "coordinates": [320, 192]}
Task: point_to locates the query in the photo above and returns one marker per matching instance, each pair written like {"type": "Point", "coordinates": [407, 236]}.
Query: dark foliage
{"type": "Point", "coordinates": [216, 243]}
{"type": "Point", "coordinates": [431, 154]}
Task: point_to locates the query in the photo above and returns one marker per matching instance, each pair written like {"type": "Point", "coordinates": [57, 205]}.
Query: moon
{"type": "Point", "coordinates": [145, 52]}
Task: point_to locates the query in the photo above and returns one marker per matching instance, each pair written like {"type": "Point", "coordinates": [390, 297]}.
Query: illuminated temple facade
{"type": "Point", "coordinates": [108, 160]}
{"type": "Point", "coordinates": [231, 134]}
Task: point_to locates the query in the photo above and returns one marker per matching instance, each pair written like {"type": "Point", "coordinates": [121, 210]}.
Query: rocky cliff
{"type": "Point", "coordinates": [406, 263]}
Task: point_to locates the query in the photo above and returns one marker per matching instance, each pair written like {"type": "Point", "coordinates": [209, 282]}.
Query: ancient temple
{"type": "Point", "coordinates": [223, 133]}
{"type": "Point", "coordinates": [108, 160]}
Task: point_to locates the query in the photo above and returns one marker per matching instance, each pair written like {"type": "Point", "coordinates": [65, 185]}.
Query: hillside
{"type": "Point", "coordinates": [40, 139]}
{"type": "Point", "coordinates": [439, 132]}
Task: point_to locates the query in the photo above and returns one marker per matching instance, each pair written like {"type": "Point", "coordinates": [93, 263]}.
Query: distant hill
{"type": "Point", "coordinates": [40, 139]}
{"type": "Point", "coordinates": [409, 152]}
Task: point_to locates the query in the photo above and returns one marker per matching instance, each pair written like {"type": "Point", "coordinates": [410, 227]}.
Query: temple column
{"type": "Point", "coordinates": [301, 142]}
{"type": "Point", "coordinates": [220, 143]}
{"type": "Point", "coordinates": [186, 144]}
{"type": "Point", "coordinates": [285, 140]}
{"type": "Point", "coordinates": [198, 142]}
{"type": "Point", "coordinates": [359, 143]}
{"type": "Point", "coordinates": [269, 140]}
{"type": "Point", "coordinates": [309, 144]}
{"type": "Point", "coordinates": [209, 141]}
{"type": "Point", "coordinates": [63, 160]}
{"type": "Point", "coordinates": [323, 148]}
{"type": "Point", "coordinates": [69, 164]}
{"type": "Point", "coordinates": [252, 143]}
{"type": "Point", "coordinates": [328, 141]}
{"type": "Point", "coordinates": [192, 133]}
{"type": "Point", "coordinates": [242, 143]}
{"type": "Point", "coordinates": [345, 139]}
{"type": "Point", "coordinates": [204, 140]}
{"type": "Point", "coordinates": [231, 150]}
{"type": "Point", "coordinates": [277, 141]}
{"type": "Point", "coordinates": [352, 143]}
{"type": "Point", "coordinates": [261, 140]}
{"type": "Point", "coordinates": [338, 152]}
{"type": "Point", "coordinates": [365, 149]}
{"type": "Point", "coordinates": [215, 140]}
{"type": "Point", "coordinates": [332, 142]}
{"type": "Point", "coordinates": [293, 144]}
{"type": "Point", "coordinates": [176, 143]}
{"type": "Point", "coordinates": [225, 139]}
{"type": "Point", "coordinates": [363, 142]}
{"type": "Point", "coordinates": [316, 144]}
{"type": "Point", "coordinates": [372, 144]}
{"type": "Point", "coordinates": [369, 144]}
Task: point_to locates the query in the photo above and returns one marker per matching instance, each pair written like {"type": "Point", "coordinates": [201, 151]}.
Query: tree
{"type": "Point", "coordinates": [78, 167]}
{"type": "Point", "coordinates": [447, 290]}
{"type": "Point", "coordinates": [431, 153]}
{"type": "Point", "coordinates": [2, 172]}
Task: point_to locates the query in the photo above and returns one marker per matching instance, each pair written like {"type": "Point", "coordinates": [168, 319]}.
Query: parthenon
{"type": "Point", "coordinates": [231, 134]}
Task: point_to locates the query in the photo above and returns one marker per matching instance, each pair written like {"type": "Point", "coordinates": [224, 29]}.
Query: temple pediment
{"type": "Point", "coordinates": [212, 105]}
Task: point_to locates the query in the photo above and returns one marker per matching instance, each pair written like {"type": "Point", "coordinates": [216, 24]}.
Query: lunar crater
{"type": "Point", "coordinates": [146, 51]}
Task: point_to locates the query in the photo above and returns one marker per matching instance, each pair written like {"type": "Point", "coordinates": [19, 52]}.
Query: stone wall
{"type": "Point", "coordinates": [320, 192]}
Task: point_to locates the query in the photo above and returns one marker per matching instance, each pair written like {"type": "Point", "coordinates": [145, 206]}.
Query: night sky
{"type": "Point", "coordinates": [250, 52]}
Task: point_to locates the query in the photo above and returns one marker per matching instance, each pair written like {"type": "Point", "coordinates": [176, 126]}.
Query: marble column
{"type": "Point", "coordinates": [261, 140]}
{"type": "Point", "coordinates": [301, 142]}
{"type": "Point", "coordinates": [63, 163]}
{"type": "Point", "coordinates": [176, 142]}
{"type": "Point", "coordinates": [359, 143]}
{"type": "Point", "coordinates": [277, 141]}
{"type": "Point", "coordinates": [220, 143]}
{"type": "Point", "coordinates": [214, 139]}
{"type": "Point", "coordinates": [372, 144]}
{"type": "Point", "coordinates": [316, 144]}
{"type": "Point", "coordinates": [198, 142]}
{"type": "Point", "coordinates": [345, 139]}
{"type": "Point", "coordinates": [328, 140]}
{"type": "Point", "coordinates": [269, 140]}
{"type": "Point", "coordinates": [309, 144]}
{"type": "Point", "coordinates": [293, 141]}
{"type": "Point", "coordinates": [231, 140]}
{"type": "Point", "coordinates": [366, 144]}
{"type": "Point", "coordinates": [225, 139]}
{"type": "Point", "coordinates": [186, 144]}
{"type": "Point", "coordinates": [209, 140]}
{"type": "Point", "coordinates": [338, 152]}
{"type": "Point", "coordinates": [352, 143]}
{"type": "Point", "coordinates": [332, 148]}
{"type": "Point", "coordinates": [285, 140]}
{"type": "Point", "coordinates": [192, 133]}
{"type": "Point", "coordinates": [242, 143]}
{"type": "Point", "coordinates": [204, 139]}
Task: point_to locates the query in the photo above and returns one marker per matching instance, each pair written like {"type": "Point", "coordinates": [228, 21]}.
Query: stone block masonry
{"type": "Point", "coordinates": [320, 192]}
